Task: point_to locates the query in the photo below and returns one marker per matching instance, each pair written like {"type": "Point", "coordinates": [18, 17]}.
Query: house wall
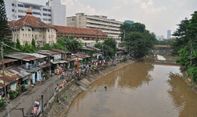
{"type": "Point", "coordinates": [41, 36]}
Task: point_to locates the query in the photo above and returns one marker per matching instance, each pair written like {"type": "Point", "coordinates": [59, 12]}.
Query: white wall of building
{"type": "Point", "coordinates": [109, 26]}
{"type": "Point", "coordinates": [53, 13]}
{"type": "Point", "coordinates": [41, 36]}
{"type": "Point", "coordinates": [58, 12]}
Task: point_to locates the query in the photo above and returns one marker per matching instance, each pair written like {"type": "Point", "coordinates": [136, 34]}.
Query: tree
{"type": "Point", "coordinates": [18, 44]}
{"type": "Point", "coordinates": [138, 27]}
{"type": "Point", "coordinates": [181, 37]}
{"type": "Point", "coordinates": [186, 45]}
{"type": "Point", "coordinates": [108, 47]}
{"type": "Point", "coordinates": [99, 45]}
{"type": "Point", "coordinates": [5, 32]}
{"type": "Point", "coordinates": [137, 40]}
{"type": "Point", "coordinates": [33, 43]}
{"type": "Point", "coordinates": [137, 44]}
{"type": "Point", "coordinates": [28, 48]}
{"type": "Point", "coordinates": [111, 43]}
{"type": "Point", "coordinates": [47, 46]}
{"type": "Point", "coordinates": [126, 28]}
{"type": "Point", "coordinates": [72, 44]}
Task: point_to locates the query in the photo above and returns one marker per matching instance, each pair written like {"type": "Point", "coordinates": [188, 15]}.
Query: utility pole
{"type": "Point", "coordinates": [42, 103]}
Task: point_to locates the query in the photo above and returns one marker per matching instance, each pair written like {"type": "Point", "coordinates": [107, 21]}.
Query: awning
{"type": "Point", "coordinates": [44, 65]}
{"type": "Point", "coordinates": [20, 72]}
{"type": "Point", "coordinates": [8, 77]}
{"type": "Point", "coordinates": [59, 62]}
{"type": "Point", "coordinates": [1, 85]}
{"type": "Point", "coordinates": [36, 55]}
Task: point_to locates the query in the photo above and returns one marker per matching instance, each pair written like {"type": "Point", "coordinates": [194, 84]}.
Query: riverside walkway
{"type": "Point", "coordinates": [47, 88]}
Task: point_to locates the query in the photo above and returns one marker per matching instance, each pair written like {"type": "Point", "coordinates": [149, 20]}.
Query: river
{"type": "Point", "coordinates": [137, 90]}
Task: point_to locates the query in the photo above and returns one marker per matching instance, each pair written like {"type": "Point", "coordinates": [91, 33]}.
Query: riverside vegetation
{"type": "Point", "coordinates": [185, 46]}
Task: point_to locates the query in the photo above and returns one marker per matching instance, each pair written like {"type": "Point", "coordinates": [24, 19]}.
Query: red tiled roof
{"type": "Point", "coordinates": [80, 32]}
{"type": "Point", "coordinates": [28, 20]}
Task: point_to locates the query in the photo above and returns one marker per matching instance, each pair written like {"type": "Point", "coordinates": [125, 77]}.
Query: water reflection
{"type": "Point", "coordinates": [138, 90]}
{"type": "Point", "coordinates": [184, 98]}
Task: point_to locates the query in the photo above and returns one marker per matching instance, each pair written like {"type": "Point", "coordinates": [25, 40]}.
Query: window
{"type": "Point", "coordinates": [12, 10]}
{"type": "Point", "coordinates": [44, 9]}
{"type": "Point", "coordinates": [20, 5]}
{"type": "Point", "coordinates": [45, 14]}
{"type": "Point", "coordinates": [36, 13]}
{"type": "Point", "coordinates": [20, 16]}
{"type": "Point", "coordinates": [22, 29]}
{"type": "Point", "coordinates": [29, 29]}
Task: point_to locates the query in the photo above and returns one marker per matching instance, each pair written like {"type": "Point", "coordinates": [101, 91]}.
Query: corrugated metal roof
{"type": "Point", "coordinates": [5, 61]}
{"type": "Point", "coordinates": [8, 77]}
{"type": "Point", "coordinates": [48, 52]}
{"type": "Point", "coordinates": [20, 72]}
{"type": "Point", "coordinates": [37, 55]}
{"type": "Point", "coordinates": [21, 56]}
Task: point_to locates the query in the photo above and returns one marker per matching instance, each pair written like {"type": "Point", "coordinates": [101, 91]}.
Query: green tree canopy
{"type": "Point", "coordinates": [33, 43]}
{"type": "Point", "coordinates": [72, 44]}
{"type": "Point", "coordinates": [186, 45]}
{"type": "Point", "coordinates": [108, 47]}
{"type": "Point", "coordinates": [5, 32]}
{"type": "Point", "coordinates": [137, 44]}
{"type": "Point", "coordinates": [137, 40]}
{"type": "Point", "coordinates": [18, 44]}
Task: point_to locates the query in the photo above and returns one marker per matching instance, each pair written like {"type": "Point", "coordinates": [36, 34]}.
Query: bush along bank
{"type": "Point", "coordinates": [185, 46]}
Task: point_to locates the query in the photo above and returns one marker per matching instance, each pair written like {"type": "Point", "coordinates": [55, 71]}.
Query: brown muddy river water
{"type": "Point", "coordinates": [137, 90]}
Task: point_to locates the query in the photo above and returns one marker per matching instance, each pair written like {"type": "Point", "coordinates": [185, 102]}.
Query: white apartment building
{"type": "Point", "coordinates": [52, 13]}
{"type": "Point", "coordinates": [109, 26]}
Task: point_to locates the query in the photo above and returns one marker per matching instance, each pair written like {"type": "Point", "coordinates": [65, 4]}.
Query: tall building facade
{"type": "Point", "coordinates": [169, 34]}
{"type": "Point", "coordinates": [109, 26]}
{"type": "Point", "coordinates": [52, 13]}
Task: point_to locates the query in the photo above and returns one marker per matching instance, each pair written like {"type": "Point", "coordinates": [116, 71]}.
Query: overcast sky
{"type": "Point", "coordinates": [158, 15]}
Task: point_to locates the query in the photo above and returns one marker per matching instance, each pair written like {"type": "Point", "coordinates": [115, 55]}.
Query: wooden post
{"type": "Point", "coordinates": [42, 103]}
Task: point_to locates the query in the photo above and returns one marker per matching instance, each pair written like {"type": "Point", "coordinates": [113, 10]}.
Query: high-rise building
{"type": "Point", "coordinates": [169, 34]}
{"type": "Point", "coordinates": [109, 26]}
{"type": "Point", "coordinates": [52, 13]}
